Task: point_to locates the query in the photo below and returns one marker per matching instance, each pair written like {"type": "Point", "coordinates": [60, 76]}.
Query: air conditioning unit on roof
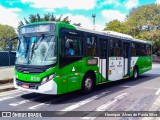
{"type": "Point", "coordinates": [118, 34]}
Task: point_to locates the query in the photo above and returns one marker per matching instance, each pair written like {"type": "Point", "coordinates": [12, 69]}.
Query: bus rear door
{"type": "Point", "coordinates": [126, 57]}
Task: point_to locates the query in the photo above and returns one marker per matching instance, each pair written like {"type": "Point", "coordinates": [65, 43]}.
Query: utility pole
{"type": "Point", "coordinates": [93, 16]}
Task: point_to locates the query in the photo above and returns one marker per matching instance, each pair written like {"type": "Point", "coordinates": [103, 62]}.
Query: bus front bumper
{"type": "Point", "coordinates": [49, 87]}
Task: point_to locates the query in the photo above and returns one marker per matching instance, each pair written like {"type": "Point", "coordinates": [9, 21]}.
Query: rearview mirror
{"type": "Point", "coordinates": [10, 46]}
{"type": "Point", "coordinates": [10, 43]}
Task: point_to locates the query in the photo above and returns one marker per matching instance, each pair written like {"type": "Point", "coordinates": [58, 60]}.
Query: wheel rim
{"type": "Point", "coordinates": [135, 74]}
{"type": "Point", "coordinates": [88, 83]}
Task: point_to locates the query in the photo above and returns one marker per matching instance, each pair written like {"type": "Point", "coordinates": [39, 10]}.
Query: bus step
{"type": "Point", "coordinates": [125, 77]}
{"type": "Point", "coordinates": [102, 82]}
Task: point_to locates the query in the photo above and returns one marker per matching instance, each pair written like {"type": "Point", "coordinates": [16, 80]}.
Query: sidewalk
{"type": "Point", "coordinates": [6, 78]}
{"type": "Point", "coordinates": [6, 87]}
{"type": "Point", "coordinates": [6, 72]}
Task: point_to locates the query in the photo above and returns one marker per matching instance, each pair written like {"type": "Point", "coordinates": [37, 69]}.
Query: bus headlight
{"type": "Point", "coordinates": [46, 79]}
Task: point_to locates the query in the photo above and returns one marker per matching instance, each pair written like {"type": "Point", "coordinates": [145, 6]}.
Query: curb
{"type": "Point", "coordinates": [6, 81]}
{"type": "Point", "coordinates": [7, 89]}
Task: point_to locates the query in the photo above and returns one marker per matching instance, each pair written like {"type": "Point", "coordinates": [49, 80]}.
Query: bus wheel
{"type": "Point", "coordinates": [135, 73]}
{"type": "Point", "coordinates": [87, 83]}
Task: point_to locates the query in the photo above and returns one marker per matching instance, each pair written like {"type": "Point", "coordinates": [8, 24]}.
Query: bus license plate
{"type": "Point", "coordinates": [25, 86]}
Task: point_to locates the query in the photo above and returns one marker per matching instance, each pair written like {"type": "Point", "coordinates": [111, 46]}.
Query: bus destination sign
{"type": "Point", "coordinates": [35, 29]}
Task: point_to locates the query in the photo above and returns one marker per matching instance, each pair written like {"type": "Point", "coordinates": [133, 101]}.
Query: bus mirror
{"type": "Point", "coordinates": [10, 46]}
{"type": "Point", "coordinates": [10, 43]}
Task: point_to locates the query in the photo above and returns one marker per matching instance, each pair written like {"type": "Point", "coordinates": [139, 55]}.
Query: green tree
{"type": "Point", "coordinates": [143, 23]}
{"type": "Point", "coordinates": [143, 18]}
{"type": "Point", "coordinates": [46, 17]}
{"type": "Point", "coordinates": [6, 32]}
{"type": "Point", "coordinates": [116, 25]}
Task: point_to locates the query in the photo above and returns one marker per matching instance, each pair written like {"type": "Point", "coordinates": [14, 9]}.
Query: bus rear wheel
{"type": "Point", "coordinates": [87, 83]}
{"type": "Point", "coordinates": [135, 73]}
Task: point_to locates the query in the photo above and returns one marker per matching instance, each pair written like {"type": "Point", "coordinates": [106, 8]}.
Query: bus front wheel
{"type": "Point", "coordinates": [87, 83]}
{"type": "Point", "coordinates": [135, 73]}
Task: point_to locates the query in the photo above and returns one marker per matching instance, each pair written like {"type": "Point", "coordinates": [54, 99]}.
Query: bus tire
{"type": "Point", "coordinates": [135, 73]}
{"type": "Point", "coordinates": [87, 83]}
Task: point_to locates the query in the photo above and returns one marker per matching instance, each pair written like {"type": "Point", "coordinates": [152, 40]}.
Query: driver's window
{"type": "Point", "coordinates": [71, 46]}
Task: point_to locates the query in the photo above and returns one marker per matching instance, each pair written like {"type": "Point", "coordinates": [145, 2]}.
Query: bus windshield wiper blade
{"type": "Point", "coordinates": [39, 41]}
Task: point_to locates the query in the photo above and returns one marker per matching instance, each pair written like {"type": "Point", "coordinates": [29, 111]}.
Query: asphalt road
{"type": "Point", "coordinates": [123, 95]}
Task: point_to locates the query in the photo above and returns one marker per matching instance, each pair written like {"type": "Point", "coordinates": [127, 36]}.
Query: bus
{"type": "Point", "coordinates": [57, 58]}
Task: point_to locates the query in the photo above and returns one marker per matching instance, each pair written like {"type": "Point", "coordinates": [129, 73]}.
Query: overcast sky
{"type": "Point", "coordinates": [13, 11]}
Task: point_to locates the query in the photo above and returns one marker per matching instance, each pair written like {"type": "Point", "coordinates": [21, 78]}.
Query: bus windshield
{"type": "Point", "coordinates": [37, 50]}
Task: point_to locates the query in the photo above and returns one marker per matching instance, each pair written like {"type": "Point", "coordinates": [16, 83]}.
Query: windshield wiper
{"type": "Point", "coordinates": [35, 46]}
{"type": "Point", "coordinates": [39, 41]}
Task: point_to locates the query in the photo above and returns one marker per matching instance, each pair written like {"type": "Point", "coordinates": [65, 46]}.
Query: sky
{"type": "Point", "coordinates": [79, 11]}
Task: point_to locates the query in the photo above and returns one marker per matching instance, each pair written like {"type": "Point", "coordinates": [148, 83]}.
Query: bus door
{"type": "Point", "coordinates": [103, 62]}
{"type": "Point", "coordinates": [126, 56]}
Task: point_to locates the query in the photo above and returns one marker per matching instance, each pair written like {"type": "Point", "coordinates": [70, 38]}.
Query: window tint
{"type": "Point", "coordinates": [135, 49]}
{"type": "Point", "coordinates": [91, 45]}
{"type": "Point", "coordinates": [72, 46]}
{"type": "Point", "coordinates": [148, 47]}
{"type": "Point", "coordinates": [115, 48]}
{"type": "Point", "coordinates": [71, 43]}
{"type": "Point", "coordinates": [143, 50]}
{"type": "Point", "coordinates": [103, 47]}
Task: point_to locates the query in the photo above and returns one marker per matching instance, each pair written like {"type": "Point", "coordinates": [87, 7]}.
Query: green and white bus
{"type": "Point", "coordinates": [56, 58]}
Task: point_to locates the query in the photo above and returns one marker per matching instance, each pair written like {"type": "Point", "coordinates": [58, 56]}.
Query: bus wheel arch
{"type": "Point", "coordinates": [88, 82]}
{"type": "Point", "coordinates": [135, 72]}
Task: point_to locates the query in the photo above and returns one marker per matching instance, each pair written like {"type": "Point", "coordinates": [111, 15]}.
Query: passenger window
{"type": "Point", "coordinates": [143, 50]}
{"type": "Point", "coordinates": [148, 47]}
{"type": "Point", "coordinates": [91, 45]}
{"type": "Point", "coordinates": [134, 49]}
{"type": "Point", "coordinates": [115, 48]}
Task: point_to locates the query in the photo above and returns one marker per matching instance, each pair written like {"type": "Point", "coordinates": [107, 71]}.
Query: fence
{"type": "Point", "coordinates": [7, 59]}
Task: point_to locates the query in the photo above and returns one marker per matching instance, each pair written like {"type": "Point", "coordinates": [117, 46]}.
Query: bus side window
{"type": "Point", "coordinates": [72, 46]}
{"type": "Point", "coordinates": [143, 50]}
{"type": "Point", "coordinates": [115, 48]}
{"type": "Point", "coordinates": [148, 47]}
{"type": "Point", "coordinates": [91, 46]}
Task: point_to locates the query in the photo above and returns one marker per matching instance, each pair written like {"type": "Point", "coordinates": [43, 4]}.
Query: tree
{"type": "Point", "coordinates": [6, 32]}
{"type": "Point", "coordinates": [142, 23]}
{"type": "Point", "coordinates": [143, 18]}
{"type": "Point", "coordinates": [116, 25]}
{"type": "Point", "coordinates": [47, 17]}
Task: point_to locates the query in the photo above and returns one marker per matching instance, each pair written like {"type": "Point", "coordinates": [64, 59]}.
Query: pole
{"type": "Point", "coordinates": [93, 16]}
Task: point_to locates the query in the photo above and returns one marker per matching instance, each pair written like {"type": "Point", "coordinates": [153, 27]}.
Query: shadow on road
{"type": "Point", "coordinates": [75, 96]}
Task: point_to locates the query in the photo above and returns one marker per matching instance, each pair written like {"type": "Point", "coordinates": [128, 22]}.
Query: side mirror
{"type": "Point", "coordinates": [10, 46]}
{"type": "Point", "coordinates": [10, 43]}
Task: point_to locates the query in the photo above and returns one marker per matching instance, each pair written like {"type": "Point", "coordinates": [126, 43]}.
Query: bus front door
{"type": "Point", "coordinates": [126, 56]}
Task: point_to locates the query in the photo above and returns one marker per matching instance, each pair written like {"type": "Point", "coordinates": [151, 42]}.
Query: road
{"type": "Point", "coordinates": [124, 95]}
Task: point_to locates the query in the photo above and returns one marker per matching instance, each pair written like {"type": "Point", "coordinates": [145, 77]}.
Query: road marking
{"type": "Point", "coordinates": [155, 107]}
{"type": "Point", "coordinates": [41, 104]}
{"type": "Point", "coordinates": [83, 102]}
{"type": "Point", "coordinates": [10, 92]}
{"type": "Point", "coordinates": [157, 92]}
{"type": "Point", "coordinates": [128, 86]}
{"type": "Point", "coordinates": [46, 103]}
{"type": "Point", "coordinates": [10, 97]}
{"type": "Point", "coordinates": [105, 106]}
{"type": "Point", "coordinates": [25, 101]}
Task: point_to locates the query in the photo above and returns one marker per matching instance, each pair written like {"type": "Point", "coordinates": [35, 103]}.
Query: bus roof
{"type": "Point", "coordinates": [113, 34]}
{"type": "Point", "coordinates": [105, 33]}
